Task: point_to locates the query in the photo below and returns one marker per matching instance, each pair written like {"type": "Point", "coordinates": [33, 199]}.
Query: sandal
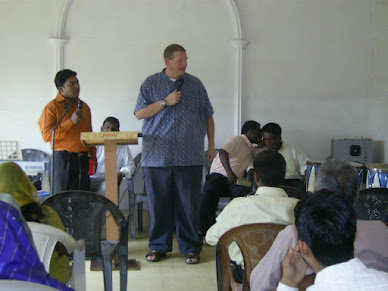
{"type": "Point", "coordinates": [154, 256]}
{"type": "Point", "coordinates": [192, 259]}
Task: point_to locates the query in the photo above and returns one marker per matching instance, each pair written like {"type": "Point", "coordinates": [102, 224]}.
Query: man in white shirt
{"type": "Point", "coordinates": [326, 225]}
{"type": "Point", "coordinates": [125, 165]}
{"type": "Point", "coordinates": [295, 159]}
{"type": "Point", "coordinates": [371, 241]}
{"type": "Point", "coordinates": [270, 204]}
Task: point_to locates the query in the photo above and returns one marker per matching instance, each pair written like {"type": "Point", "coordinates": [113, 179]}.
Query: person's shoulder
{"type": "Point", "coordinates": [192, 78]}
{"type": "Point", "coordinates": [52, 103]}
{"type": "Point", "coordinates": [371, 226]}
{"type": "Point", "coordinates": [153, 77]}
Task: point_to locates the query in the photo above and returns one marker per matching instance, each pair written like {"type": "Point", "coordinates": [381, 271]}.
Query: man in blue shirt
{"type": "Point", "coordinates": [177, 115]}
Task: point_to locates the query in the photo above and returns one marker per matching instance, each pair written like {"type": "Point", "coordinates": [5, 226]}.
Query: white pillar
{"type": "Point", "coordinates": [239, 44]}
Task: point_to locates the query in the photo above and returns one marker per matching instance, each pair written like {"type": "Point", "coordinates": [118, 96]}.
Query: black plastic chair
{"type": "Point", "coordinates": [35, 155]}
{"type": "Point", "coordinates": [372, 204]}
{"type": "Point", "coordinates": [83, 214]}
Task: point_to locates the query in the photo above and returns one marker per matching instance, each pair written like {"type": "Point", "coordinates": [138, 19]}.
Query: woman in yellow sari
{"type": "Point", "coordinates": [15, 182]}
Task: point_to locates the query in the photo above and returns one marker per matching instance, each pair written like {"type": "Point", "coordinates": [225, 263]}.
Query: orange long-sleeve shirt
{"type": "Point", "coordinates": [67, 137]}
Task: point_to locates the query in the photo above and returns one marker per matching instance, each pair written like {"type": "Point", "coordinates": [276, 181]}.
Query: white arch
{"type": "Point", "coordinates": [239, 43]}
{"type": "Point", "coordinates": [59, 41]}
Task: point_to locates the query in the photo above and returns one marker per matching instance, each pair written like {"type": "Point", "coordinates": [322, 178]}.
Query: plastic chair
{"type": "Point", "coordinates": [46, 237]}
{"type": "Point", "coordinates": [16, 285]}
{"type": "Point", "coordinates": [137, 196]}
{"type": "Point", "coordinates": [254, 240]}
{"type": "Point", "coordinates": [83, 214]}
{"type": "Point", "coordinates": [35, 155]}
{"type": "Point", "coordinates": [372, 204]}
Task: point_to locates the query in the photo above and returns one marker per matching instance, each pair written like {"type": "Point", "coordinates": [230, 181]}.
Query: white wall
{"type": "Point", "coordinates": [318, 68]}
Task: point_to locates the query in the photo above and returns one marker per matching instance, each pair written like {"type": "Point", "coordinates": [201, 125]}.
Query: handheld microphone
{"type": "Point", "coordinates": [80, 104]}
{"type": "Point", "coordinates": [179, 84]}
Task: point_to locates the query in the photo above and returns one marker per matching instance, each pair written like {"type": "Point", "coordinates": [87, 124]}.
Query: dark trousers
{"type": "Point", "coordinates": [174, 195]}
{"type": "Point", "coordinates": [216, 186]}
{"type": "Point", "coordinates": [296, 183]}
{"type": "Point", "coordinates": [71, 171]}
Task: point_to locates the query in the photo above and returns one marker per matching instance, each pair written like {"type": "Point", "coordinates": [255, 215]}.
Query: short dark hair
{"type": "Point", "coordinates": [112, 119]}
{"type": "Point", "coordinates": [326, 222]}
{"type": "Point", "coordinates": [171, 49]}
{"type": "Point", "coordinates": [273, 128]}
{"type": "Point", "coordinates": [248, 125]}
{"type": "Point", "coordinates": [270, 166]}
{"type": "Point", "coordinates": [62, 76]}
{"type": "Point", "coordinates": [338, 176]}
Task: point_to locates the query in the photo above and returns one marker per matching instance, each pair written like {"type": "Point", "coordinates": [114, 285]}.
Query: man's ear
{"type": "Point", "coordinates": [256, 178]}
{"type": "Point", "coordinates": [60, 89]}
{"type": "Point", "coordinates": [102, 128]}
{"type": "Point", "coordinates": [304, 248]}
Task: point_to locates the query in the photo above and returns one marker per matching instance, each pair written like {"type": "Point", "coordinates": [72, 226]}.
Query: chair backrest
{"type": "Point", "coordinates": [254, 240]}
{"type": "Point", "coordinates": [294, 192]}
{"type": "Point", "coordinates": [83, 214]}
{"type": "Point", "coordinates": [46, 237]}
{"type": "Point", "coordinates": [138, 177]}
{"type": "Point", "coordinates": [372, 204]}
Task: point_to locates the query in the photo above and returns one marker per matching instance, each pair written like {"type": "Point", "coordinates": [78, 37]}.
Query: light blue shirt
{"type": "Point", "coordinates": [174, 136]}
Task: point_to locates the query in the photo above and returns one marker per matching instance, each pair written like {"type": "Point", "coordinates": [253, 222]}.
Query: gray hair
{"type": "Point", "coordinates": [339, 177]}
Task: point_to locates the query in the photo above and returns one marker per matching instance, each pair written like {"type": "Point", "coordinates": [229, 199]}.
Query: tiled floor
{"type": "Point", "coordinates": [170, 274]}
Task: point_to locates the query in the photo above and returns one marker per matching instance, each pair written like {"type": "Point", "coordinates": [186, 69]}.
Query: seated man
{"type": "Point", "coordinates": [372, 235]}
{"type": "Point", "coordinates": [326, 225]}
{"type": "Point", "coordinates": [270, 204]}
{"type": "Point", "coordinates": [228, 166]}
{"type": "Point", "coordinates": [295, 159]}
{"type": "Point", "coordinates": [125, 165]}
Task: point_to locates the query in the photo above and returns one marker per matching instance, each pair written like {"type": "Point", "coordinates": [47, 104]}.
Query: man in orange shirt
{"type": "Point", "coordinates": [71, 156]}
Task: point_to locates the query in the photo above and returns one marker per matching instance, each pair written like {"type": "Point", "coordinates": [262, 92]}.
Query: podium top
{"type": "Point", "coordinates": [121, 137]}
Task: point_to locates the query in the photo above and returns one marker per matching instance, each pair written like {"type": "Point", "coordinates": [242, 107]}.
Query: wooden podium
{"type": "Point", "coordinates": [110, 140]}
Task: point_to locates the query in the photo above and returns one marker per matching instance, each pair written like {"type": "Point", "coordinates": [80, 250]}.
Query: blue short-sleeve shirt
{"type": "Point", "coordinates": [174, 136]}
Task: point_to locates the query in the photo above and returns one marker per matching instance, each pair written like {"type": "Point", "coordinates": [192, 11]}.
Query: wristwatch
{"type": "Point", "coordinates": [163, 103]}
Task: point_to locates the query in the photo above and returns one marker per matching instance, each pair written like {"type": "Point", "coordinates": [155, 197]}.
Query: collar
{"type": "Point", "coordinates": [247, 141]}
{"type": "Point", "coordinates": [271, 191]}
{"type": "Point", "coordinates": [168, 78]}
{"type": "Point", "coordinates": [60, 98]}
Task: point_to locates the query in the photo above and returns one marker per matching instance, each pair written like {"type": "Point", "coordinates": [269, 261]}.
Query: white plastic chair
{"type": "Point", "coordinates": [45, 238]}
{"type": "Point", "coordinates": [15, 285]}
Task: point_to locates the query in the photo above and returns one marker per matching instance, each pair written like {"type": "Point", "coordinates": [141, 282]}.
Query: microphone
{"type": "Point", "coordinates": [179, 84]}
{"type": "Point", "coordinates": [80, 104]}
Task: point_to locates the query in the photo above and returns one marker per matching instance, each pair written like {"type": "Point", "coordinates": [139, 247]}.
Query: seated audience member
{"type": "Point", "coordinates": [295, 159]}
{"type": "Point", "coordinates": [326, 225]}
{"type": "Point", "coordinates": [372, 235]}
{"type": "Point", "coordinates": [18, 256]}
{"type": "Point", "coordinates": [15, 182]}
{"type": "Point", "coordinates": [270, 204]}
{"type": "Point", "coordinates": [125, 165]}
{"type": "Point", "coordinates": [228, 166]}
